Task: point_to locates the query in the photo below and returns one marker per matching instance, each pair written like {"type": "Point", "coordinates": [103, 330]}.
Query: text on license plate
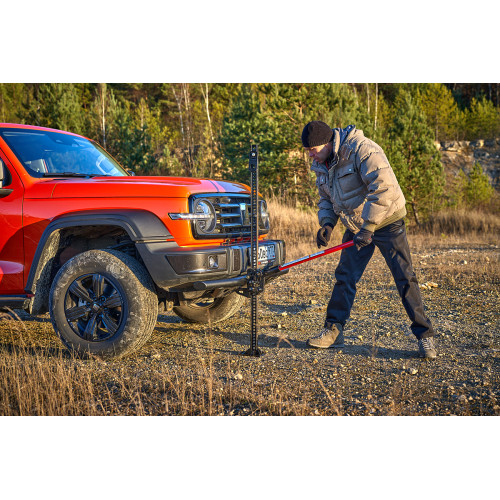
{"type": "Point", "coordinates": [266, 253]}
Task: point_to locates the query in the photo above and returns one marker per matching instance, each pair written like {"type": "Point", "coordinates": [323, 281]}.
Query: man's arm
{"type": "Point", "coordinates": [326, 214]}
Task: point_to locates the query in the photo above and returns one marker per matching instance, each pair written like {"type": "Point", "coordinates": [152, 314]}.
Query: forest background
{"type": "Point", "coordinates": [205, 130]}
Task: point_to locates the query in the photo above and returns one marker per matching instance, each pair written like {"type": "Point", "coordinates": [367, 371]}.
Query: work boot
{"type": "Point", "coordinates": [328, 337]}
{"type": "Point", "coordinates": [426, 348]}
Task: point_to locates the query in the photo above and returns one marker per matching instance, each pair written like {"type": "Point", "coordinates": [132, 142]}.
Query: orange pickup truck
{"type": "Point", "coordinates": [104, 251]}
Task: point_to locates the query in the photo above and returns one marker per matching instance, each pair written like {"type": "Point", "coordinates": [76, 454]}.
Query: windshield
{"type": "Point", "coordinates": [43, 153]}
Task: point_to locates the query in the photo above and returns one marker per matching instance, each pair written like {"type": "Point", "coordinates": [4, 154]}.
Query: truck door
{"type": "Point", "coordinates": [11, 230]}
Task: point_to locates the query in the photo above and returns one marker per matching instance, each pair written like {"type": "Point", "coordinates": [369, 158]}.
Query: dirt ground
{"type": "Point", "coordinates": [377, 373]}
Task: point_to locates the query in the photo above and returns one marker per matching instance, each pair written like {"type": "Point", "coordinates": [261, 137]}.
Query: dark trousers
{"type": "Point", "coordinates": [393, 244]}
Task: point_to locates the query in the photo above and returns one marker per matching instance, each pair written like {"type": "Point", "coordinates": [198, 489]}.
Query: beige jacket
{"type": "Point", "coordinates": [360, 187]}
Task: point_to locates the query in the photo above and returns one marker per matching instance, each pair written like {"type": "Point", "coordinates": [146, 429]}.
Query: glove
{"type": "Point", "coordinates": [363, 238]}
{"type": "Point", "coordinates": [323, 235]}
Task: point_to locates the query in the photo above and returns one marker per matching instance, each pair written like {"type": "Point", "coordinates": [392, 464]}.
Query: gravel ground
{"type": "Point", "coordinates": [376, 373]}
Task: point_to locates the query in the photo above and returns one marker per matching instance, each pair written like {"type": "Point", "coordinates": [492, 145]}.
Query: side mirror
{"type": "Point", "coordinates": [130, 172]}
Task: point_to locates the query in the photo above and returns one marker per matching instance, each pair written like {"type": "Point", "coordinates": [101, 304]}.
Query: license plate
{"type": "Point", "coordinates": [266, 253]}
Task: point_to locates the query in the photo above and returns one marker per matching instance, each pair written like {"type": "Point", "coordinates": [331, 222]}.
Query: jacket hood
{"type": "Point", "coordinates": [341, 134]}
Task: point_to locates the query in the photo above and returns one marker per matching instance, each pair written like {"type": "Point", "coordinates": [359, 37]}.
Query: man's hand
{"type": "Point", "coordinates": [323, 235]}
{"type": "Point", "coordinates": [363, 238]}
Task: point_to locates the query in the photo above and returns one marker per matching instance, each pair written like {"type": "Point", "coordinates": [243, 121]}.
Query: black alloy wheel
{"type": "Point", "coordinates": [95, 307]}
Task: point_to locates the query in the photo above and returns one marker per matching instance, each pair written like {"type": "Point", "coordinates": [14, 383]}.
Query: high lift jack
{"type": "Point", "coordinates": [256, 281]}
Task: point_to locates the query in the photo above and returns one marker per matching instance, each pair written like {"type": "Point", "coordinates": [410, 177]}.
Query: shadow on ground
{"type": "Point", "coordinates": [267, 341]}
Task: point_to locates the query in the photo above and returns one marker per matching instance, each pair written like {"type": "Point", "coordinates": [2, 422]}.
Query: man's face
{"type": "Point", "coordinates": [320, 153]}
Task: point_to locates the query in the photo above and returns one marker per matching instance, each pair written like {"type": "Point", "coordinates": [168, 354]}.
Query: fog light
{"type": "Point", "coordinates": [213, 262]}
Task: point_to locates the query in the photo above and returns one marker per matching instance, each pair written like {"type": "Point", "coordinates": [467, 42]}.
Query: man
{"type": "Point", "coordinates": [357, 184]}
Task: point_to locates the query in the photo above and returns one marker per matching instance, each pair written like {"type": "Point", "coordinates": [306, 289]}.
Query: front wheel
{"type": "Point", "coordinates": [205, 309]}
{"type": "Point", "coordinates": [103, 302]}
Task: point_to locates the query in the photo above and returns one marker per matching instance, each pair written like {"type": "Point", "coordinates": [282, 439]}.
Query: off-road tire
{"type": "Point", "coordinates": [124, 315]}
{"type": "Point", "coordinates": [220, 309]}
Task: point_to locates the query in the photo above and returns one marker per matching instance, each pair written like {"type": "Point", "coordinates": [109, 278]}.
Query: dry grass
{"type": "Point", "coordinates": [297, 227]}
{"type": "Point", "coordinates": [50, 381]}
{"type": "Point", "coordinates": [37, 381]}
{"type": "Point", "coordinates": [462, 222]}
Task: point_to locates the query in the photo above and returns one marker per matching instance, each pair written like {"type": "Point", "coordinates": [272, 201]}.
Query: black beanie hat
{"type": "Point", "coordinates": [316, 134]}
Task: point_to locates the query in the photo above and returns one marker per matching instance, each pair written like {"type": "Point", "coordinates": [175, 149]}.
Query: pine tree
{"type": "Point", "coordinates": [414, 157]}
{"type": "Point", "coordinates": [56, 105]}
{"type": "Point", "coordinates": [11, 99]}
{"type": "Point", "coordinates": [139, 140]}
{"type": "Point", "coordinates": [482, 120]}
{"type": "Point", "coordinates": [477, 189]}
{"type": "Point", "coordinates": [243, 126]}
{"type": "Point", "coordinates": [441, 111]}
{"type": "Point", "coordinates": [121, 140]}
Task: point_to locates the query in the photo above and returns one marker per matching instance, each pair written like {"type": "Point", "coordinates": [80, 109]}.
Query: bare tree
{"type": "Point", "coordinates": [142, 108]}
{"type": "Point", "coordinates": [188, 122]}
{"type": "Point", "coordinates": [101, 93]}
{"type": "Point", "coordinates": [2, 104]}
{"type": "Point", "coordinates": [178, 100]}
{"type": "Point", "coordinates": [207, 109]}
{"type": "Point", "coordinates": [205, 97]}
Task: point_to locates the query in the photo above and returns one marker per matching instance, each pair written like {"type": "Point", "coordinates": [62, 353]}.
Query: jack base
{"type": "Point", "coordinates": [256, 353]}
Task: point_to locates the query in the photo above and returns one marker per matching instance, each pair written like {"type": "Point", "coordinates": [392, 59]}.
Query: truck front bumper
{"type": "Point", "coordinates": [175, 268]}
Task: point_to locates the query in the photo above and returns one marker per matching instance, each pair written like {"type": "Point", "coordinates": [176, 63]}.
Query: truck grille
{"type": "Point", "coordinates": [233, 215]}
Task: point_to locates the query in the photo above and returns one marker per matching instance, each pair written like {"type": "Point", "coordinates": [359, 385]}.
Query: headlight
{"type": "Point", "coordinates": [263, 215]}
{"type": "Point", "coordinates": [203, 216]}
{"type": "Point", "coordinates": [204, 208]}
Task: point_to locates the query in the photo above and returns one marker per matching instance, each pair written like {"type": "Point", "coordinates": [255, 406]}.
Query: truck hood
{"type": "Point", "coordinates": [130, 187]}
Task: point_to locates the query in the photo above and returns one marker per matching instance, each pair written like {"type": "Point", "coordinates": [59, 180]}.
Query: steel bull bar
{"type": "Point", "coordinates": [268, 274]}
{"type": "Point", "coordinates": [252, 284]}
{"type": "Point", "coordinates": [239, 281]}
